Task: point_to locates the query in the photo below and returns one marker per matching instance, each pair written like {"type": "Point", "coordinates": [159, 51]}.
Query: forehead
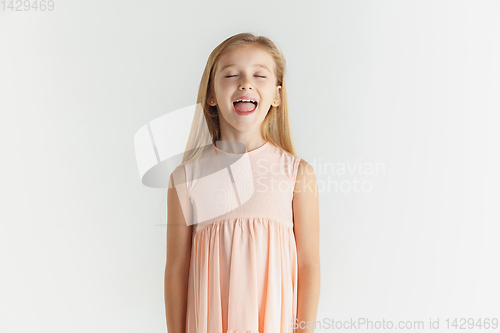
{"type": "Point", "coordinates": [247, 55]}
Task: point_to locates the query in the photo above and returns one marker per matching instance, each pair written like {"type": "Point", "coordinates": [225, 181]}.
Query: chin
{"type": "Point", "coordinates": [245, 127]}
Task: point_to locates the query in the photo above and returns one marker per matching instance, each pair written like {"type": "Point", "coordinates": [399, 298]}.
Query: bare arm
{"type": "Point", "coordinates": [306, 227]}
{"type": "Point", "coordinates": [178, 255]}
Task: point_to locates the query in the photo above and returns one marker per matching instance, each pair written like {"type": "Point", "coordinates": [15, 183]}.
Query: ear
{"type": "Point", "coordinates": [211, 101]}
{"type": "Point", "coordinates": [277, 97]}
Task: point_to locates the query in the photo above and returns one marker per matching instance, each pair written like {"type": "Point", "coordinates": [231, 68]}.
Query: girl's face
{"type": "Point", "coordinates": [244, 71]}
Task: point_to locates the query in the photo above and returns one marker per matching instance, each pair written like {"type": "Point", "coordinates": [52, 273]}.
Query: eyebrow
{"type": "Point", "coordinates": [259, 65]}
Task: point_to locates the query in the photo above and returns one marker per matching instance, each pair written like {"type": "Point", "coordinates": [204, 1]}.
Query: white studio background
{"type": "Point", "coordinates": [402, 94]}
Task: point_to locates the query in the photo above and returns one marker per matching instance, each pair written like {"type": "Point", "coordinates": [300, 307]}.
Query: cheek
{"type": "Point", "coordinates": [225, 88]}
{"type": "Point", "coordinates": [267, 87]}
{"type": "Point", "coordinates": [221, 84]}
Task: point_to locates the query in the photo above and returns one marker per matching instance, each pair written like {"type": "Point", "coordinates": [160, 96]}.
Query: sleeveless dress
{"type": "Point", "coordinates": [243, 270]}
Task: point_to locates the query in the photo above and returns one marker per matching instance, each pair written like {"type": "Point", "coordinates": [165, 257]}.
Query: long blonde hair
{"type": "Point", "coordinates": [276, 125]}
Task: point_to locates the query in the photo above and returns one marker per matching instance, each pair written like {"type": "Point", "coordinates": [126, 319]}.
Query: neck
{"type": "Point", "coordinates": [251, 142]}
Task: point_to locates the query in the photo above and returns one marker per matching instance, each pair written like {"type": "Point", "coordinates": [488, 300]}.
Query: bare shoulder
{"type": "Point", "coordinates": [305, 205]}
{"type": "Point", "coordinates": [306, 178]}
{"type": "Point", "coordinates": [178, 202]}
{"type": "Point", "coordinates": [178, 176]}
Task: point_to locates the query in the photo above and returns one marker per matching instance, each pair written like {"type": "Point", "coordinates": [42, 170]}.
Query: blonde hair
{"type": "Point", "coordinates": [276, 125]}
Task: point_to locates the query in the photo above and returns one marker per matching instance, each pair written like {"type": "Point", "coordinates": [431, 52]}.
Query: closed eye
{"type": "Point", "coordinates": [255, 75]}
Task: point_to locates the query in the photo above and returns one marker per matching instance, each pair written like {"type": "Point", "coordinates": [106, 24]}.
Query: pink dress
{"type": "Point", "coordinates": [243, 269]}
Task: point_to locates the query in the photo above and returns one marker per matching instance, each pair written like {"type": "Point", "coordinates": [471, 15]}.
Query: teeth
{"type": "Point", "coordinates": [245, 100]}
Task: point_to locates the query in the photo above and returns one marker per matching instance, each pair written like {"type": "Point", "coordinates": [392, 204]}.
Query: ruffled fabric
{"type": "Point", "coordinates": [243, 277]}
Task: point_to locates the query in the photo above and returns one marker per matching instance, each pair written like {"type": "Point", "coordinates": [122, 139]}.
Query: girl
{"type": "Point", "coordinates": [243, 229]}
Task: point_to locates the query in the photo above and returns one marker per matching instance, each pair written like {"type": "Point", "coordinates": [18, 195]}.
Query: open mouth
{"type": "Point", "coordinates": [245, 106]}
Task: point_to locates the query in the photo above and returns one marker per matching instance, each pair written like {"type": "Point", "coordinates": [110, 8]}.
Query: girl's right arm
{"type": "Point", "coordinates": [179, 235]}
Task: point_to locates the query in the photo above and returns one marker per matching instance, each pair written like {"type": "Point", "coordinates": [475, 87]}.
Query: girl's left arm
{"type": "Point", "coordinates": [305, 205]}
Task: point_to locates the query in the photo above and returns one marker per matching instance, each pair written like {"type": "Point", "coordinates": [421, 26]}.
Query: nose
{"type": "Point", "coordinates": [245, 83]}
{"type": "Point", "coordinates": [246, 86]}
